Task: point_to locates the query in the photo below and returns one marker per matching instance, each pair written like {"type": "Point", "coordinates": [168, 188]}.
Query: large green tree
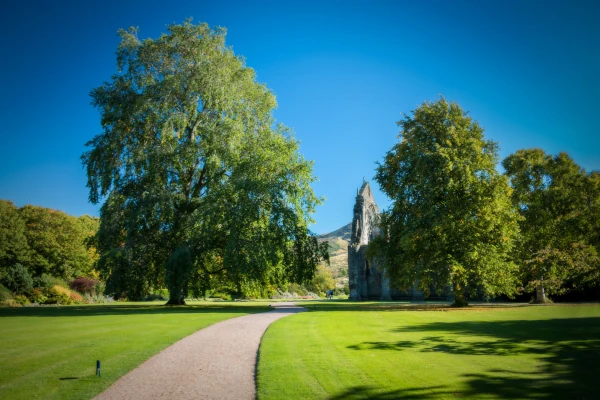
{"type": "Point", "coordinates": [201, 188]}
{"type": "Point", "coordinates": [559, 204]}
{"type": "Point", "coordinates": [13, 242]}
{"type": "Point", "coordinates": [451, 221]}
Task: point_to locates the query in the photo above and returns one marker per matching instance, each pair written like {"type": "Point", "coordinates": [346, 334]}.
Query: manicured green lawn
{"type": "Point", "coordinates": [344, 350]}
{"type": "Point", "coordinates": [51, 352]}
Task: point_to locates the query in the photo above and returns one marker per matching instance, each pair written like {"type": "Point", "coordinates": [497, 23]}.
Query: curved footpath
{"type": "Point", "coordinates": [217, 362]}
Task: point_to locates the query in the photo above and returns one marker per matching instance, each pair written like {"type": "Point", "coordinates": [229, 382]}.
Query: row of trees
{"type": "Point", "coordinates": [201, 189]}
{"type": "Point", "coordinates": [38, 241]}
{"type": "Point", "coordinates": [455, 220]}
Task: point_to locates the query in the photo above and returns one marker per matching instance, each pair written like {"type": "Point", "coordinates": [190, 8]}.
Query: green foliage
{"type": "Point", "coordinates": [123, 269]}
{"type": "Point", "coordinates": [37, 295]}
{"type": "Point", "coordinates": [22, 300]}
{"type": "Point", "coordinates": [58, 295]}
{"type": "Point", "coordinates": [17, 279]}
{"type": "Point", "coordinates": [5, 294]}
{"type": "Point", "coordinates": [322, 281]}
{"type": "Point", "coordinates": [58, 242]}
{"type": "Point", "coordinates": [300, 290]}
{"type": "Point", "coordinates": [451, 220]}
{"type": "Point", "coordinates": [13, 242]}
{"type": "Point", "coordinates": [46, 281]}
{"type": "Point", "coordinates": [190, 157]}
{"type": "Point", "coordinates": [559, 203]}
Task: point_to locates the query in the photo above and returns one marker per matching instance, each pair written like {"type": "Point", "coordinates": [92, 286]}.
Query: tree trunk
{"type": "Point", "coordinates": [175, 302]}
{"type": "Point", "coordinates": [459, 296]}
{"type": "Point", "coordinates": [540, 293]}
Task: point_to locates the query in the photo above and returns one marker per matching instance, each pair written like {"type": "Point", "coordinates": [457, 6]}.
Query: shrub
{"type": "Point", "coordinates": [11, 303]}
{"type": "Point", "coordinates": [154, 297]}
{"type": "Point", "coordinates": [84, 285]}
{"type": "Point", "coordinates": [47, 282]}
{"type": "Point", "coordinates": [37, 295]}
{"type": "Point", "coordinates": [297, 289]}
{"type": "Point", "coordinates": [97, 299]}
{"type": "Point", "coordinates": [58, 295]}
{"type": "Point", "coordinates": [76, 297]}
{"type": "Point", "coordinates": [5, 294]}
{"type": "Point", "coordinates": [222, 296]}
{"type": "Point", "coordinates": [99, 288]}
{"type": "Point", "coordinates": [17, 279]}
{"type": "Point", "coordinates": [22, 300]}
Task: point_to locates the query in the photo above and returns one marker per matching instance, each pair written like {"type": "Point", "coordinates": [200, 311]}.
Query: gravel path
{"type": "Point", "coordinates": [217, 362]}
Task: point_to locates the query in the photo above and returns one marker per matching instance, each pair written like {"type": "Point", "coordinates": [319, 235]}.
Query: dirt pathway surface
{"type": "Point", "coordinates": [217, 362]}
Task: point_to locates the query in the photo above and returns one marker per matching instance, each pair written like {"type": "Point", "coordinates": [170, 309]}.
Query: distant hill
{"type": "Point", "coordinates": [338, 252]}
{"type": "Point", "coordinates": [338, 239]}
{"type": "Point", "coordinates": [345, 232]}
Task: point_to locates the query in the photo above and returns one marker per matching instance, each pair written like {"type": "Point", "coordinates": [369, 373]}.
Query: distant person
{"type": "Point", "coordinates": [330, 294]}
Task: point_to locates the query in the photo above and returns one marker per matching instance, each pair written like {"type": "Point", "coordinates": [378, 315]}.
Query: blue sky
{"type": "Point", "coordinates": [343, 73]}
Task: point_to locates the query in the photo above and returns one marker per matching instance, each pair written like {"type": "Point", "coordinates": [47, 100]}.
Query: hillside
{"type": "Point", "coordinates": [338, 252]}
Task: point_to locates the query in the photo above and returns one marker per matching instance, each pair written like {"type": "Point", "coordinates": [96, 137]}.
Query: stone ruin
{"type": "Point", "coordinates": [366, 276]}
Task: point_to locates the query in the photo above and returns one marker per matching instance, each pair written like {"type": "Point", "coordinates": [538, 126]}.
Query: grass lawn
{"type": "Point", "coordinates": [344, 350]}
{"type": "Point", "coordinates": [51, 352]}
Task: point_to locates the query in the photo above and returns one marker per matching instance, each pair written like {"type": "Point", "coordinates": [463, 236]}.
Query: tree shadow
{"type": "Point", "coordinates": [568, 350]}
{"type": "Point", "coordinates": [372, 393]}
{"type": "Point", "coordinates": [128, 309]}
{"type": "Point", "coordinates": [368, 306]}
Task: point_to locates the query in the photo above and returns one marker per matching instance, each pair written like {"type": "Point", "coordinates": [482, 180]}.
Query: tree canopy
{"type": "Point", "coordinates": [559, 204]}
{"type": "Point", "coordinates": [451, 221]}
{"type": "Point", "coordinates": [202, 189]}
{"type": "Point", "coordinates": [46, 241]}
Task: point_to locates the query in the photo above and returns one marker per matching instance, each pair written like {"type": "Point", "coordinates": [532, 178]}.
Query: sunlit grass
{"type": "Point", "coordinates": [51, 352]}
{"type": "Point", "coordinates": [344, 350]}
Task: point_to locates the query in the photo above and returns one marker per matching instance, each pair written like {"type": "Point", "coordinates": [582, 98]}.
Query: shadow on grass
{"type": "Point", "coordinates": [125, 309]}
{"type": "Point", "coordinates": [345, 305]}
{"type": "Point", "coordinates": [568, 351]}
{"type": "Point", "coordinates": [372, 393]}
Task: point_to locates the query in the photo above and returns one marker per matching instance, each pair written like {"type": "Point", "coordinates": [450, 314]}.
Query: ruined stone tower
{"type": "Point", "coordinates": [366, 277]}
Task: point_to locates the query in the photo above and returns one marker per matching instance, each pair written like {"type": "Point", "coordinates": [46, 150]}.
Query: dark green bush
{"type": "Point", "coordinates": [17, 279]}
{"type": "Point", "coordinates": [154, 297]}
{"type": "Point", "coordinates": [222, 296]}
{"type": "Point", "coordinates": [47, 282]}
{"type": "Point", "coordinates": [5, 294]}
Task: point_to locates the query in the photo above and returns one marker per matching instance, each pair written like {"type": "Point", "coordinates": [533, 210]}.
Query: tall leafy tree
{"type": "Point", "coordinates": [559, 205]}
{"type": "Point", "coordinates": [451, 221]}
{"type": "Point", "coordinates": [202, 188]}
{"type": "Point", "coordinates": [13, 242]}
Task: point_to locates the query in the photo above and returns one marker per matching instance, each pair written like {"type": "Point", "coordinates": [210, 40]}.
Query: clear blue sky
{"type": "Point", "coordinates": [343, 72]}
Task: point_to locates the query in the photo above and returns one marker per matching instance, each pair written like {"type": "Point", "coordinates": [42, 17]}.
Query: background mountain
{"type": "Point", "coordinates": [338, 252]}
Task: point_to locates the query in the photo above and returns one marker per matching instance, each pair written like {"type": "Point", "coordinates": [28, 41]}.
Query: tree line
{"type": "Point", "coordinates": [455, 220]}
{"type": "Point", "coordinates": [38, 244]}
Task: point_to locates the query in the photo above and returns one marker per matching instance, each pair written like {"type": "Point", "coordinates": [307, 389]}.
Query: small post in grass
{"type": "Point", "coordinates": [97, 367]}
